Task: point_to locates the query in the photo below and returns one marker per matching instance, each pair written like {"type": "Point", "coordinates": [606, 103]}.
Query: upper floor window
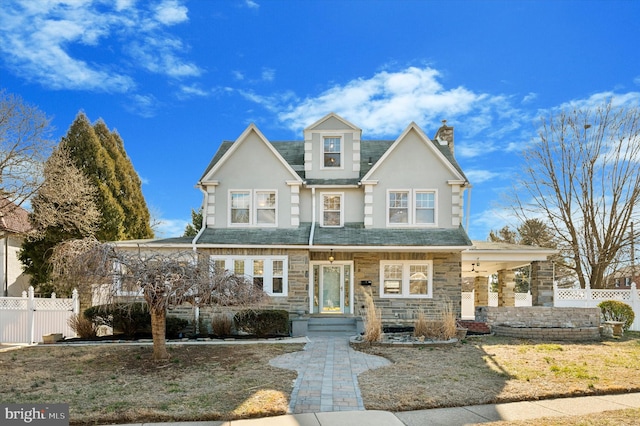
{"type": "Point", "coordinates": [332, 152]}
{"type": "Point", "coordinates": [411, 207]}
{"type": "Point", "coordinates": [332, 210]}
{"type": "Point", "coordinates": [257, 208]}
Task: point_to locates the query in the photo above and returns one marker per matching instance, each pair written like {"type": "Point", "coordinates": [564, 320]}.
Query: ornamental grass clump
{"type": "Point", "coordinates": [372, 321]}
{"type": "Point", "coordinates": [421, 327]}
{"type": "Point", "coordinates": [448, 318]}
{"type": "Point", "coordinates": [613, 310]}
{"type": "Point", "coordinates": [83, 326]}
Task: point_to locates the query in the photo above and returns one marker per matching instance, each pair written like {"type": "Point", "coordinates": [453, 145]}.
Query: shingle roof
{"type": "Point", "coordinates": [355, 234]}
{"type": "Point", "coordinates": [13, 218]}
{"type": "Point", "coordinates": [352, 234]}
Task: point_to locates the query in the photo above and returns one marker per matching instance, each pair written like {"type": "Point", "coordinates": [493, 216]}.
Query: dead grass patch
{"type": "Point", "coordinates": [494, 369]}
{"type": "Point", "coordinates": [120, 384]}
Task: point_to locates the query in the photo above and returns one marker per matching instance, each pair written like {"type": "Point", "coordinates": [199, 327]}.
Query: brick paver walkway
{"type": "Point", "coordinates": [327, 375]}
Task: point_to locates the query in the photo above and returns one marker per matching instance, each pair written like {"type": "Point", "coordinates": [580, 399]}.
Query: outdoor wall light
{"type": "Point", "coordinates": [331, 258]}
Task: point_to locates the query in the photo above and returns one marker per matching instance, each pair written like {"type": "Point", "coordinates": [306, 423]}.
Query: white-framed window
{"type": "Point", "coordinates": [332, 152]}
{"type": "Point", "coordinates": [268, 272]}
{"type": "Point", "coordinates": [406, 278]}
{"type": "Point", "coordinates": [332, 214]}
{"type": "Point", "coordinates": [253, 207]}
{"type": "Point", "coordinates": [411, 207]}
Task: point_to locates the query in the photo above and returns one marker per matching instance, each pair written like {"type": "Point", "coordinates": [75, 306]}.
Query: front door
{"type": "Point", "coordinates": [331, 287]}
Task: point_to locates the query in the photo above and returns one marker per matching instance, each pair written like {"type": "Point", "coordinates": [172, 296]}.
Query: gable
{"type": "Point", "coordinates": [251, 151]}
{"type": "Point", "coordinates": [415, 154]}
{"type": "Point", "coordinates": [332, 122]}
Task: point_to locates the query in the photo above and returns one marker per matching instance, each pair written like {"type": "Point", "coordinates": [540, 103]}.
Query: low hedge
{"type": "Point", "coordinates": [132, 319]}
{"type": "Point", "coordinates": [263, 322]}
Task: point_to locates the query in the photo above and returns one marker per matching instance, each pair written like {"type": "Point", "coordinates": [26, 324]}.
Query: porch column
{"type": "Point", "coordinates": [481, 291]}
{"type": "Point", "coordinates": [542, 283]}
{"type": "Point", "coordinates": [506, 288]}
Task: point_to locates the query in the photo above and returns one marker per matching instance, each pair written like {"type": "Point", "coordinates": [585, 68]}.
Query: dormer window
{"type": "Point", "coordinates": [332, 152]}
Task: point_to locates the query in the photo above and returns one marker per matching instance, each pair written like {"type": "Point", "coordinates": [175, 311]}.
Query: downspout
{"type": "Point", "coordinates": [204, 217]}
{"type": "Point", "coordinates": [6, 265]}
{"type": "Point", "coordinates": [313, 216]}
{"type": "Point", "coordinates": [468, 208]}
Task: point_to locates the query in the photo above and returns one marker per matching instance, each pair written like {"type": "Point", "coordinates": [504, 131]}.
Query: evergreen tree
{"type": "Point", "coordinates": [194, 227]}
{"type": "Point", "coordinates": [127, 186]}
{"type": "Point", "coordinates": [93, 160]}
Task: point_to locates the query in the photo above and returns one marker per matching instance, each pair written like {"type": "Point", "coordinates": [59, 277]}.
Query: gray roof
{"type": "Point", "coordinates": [355, 234]}
{"type": "Point", "coordinates": [352, 234]}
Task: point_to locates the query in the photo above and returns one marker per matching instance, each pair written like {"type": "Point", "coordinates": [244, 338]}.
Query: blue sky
{"type": "Point", "coordinates": [176, 78]}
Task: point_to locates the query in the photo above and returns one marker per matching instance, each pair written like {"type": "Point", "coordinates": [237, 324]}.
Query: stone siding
{"type": "Point", "coordinates": [447, 286]}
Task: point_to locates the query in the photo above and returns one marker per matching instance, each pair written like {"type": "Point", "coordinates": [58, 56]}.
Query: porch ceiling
{"type": "Point", "coordinates": [486, 258]}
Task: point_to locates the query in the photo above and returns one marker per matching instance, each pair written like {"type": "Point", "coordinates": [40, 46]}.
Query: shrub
{"type": "Point", "coordinates": [263, 323]}
{"type": "Point", "coordinates": [83, 326]}
{"type": "Point", "coordinates": [221, 325]}
{"type": "Point", "coordinates": [372, 321]}
{"type": "Point", "coordinates": [174, 326]}
{"type": "Point", "coordinates": [613, 310]}
{"type": "Point", "coordinates": [127, 318]}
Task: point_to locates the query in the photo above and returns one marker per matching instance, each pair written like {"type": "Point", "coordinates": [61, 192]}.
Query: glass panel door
{"type": "Point", "coordinates": [332, 290]}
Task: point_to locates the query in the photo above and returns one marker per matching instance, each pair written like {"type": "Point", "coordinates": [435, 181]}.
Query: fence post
{"type": "Point", "coordinates": [76, 301]}
{"type": "Point", "coordinates": [634, 301]}
{"type": "Point", "coordinates": [31, 312]}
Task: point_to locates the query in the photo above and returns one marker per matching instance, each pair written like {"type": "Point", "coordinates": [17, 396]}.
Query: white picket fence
{"type": "Point", "coordinates": [589, 298]}
{"type": "Point", "coordinates": [26, 319]}
{"type": "Point", "coordinates": [468, 302]}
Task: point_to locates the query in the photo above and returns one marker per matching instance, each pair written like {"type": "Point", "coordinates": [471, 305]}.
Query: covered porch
{"type": "Point", "coordinates": [485, 259]}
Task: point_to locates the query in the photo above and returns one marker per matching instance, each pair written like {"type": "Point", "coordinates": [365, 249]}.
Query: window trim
{"type": "Point", "coordinates": [253, 208]}
{"type": "Point", "coordinates": [412, 208]}
{"type": "Point", "coordinates": [267, 272]}
{"type": "Point", "coordinates": [322, 211]}
{"type": "Point", "coordinates": [323, 166]}
{"type": "Point", "coordinates": [406, 279]}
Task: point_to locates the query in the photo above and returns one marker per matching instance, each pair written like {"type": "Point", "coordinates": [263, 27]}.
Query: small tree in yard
{"type": "Point", "coordinates": [162, 279]}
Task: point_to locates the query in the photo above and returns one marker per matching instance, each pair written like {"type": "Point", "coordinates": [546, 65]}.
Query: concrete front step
{"type": "Point", "coordinates": [332, 324]}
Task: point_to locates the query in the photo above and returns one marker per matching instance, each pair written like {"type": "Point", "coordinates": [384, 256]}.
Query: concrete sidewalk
{"type": "Point", "coordinates": [457, 416]}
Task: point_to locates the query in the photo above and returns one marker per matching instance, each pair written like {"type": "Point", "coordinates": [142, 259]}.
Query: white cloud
{"type": "Point", "coordinates": [170, 12]}
{"type": "Point", "coordinates": [477, 176]}
{"type": "Point", "coordinates": [529, 97]}
{"type": "Point", "coordinates": [385, 103]}
{"type": "Point", "coordinates": [190, 91]}
{"type": "Point", "coordinates": [251, 4]}
{"type": "Point", "coordinates": [268, 74]}
{"type": "Point", "coordinates": [39, 40]}
{"type": "Point", "coordinates": [142, 105]}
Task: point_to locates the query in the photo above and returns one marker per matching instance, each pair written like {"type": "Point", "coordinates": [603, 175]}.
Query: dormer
{"type": "Point", "coordinates": [332, 149]}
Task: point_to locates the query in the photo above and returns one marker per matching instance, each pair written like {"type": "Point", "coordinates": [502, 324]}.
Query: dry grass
{"type": "Point", "coordinates": [372, 321]}
{"type": "Point", "coordinates": [221, 324]}
{"type": "Point", "coordinates": [494, 369]}
{"type": "Point", "coordinates": [629, 417]}
{"type": "Point", "coordinates": [121, 384]}
{"type": "Point", "coordinates": [421, 327]}
{"type": "Point", "coordinates": [84, 327]}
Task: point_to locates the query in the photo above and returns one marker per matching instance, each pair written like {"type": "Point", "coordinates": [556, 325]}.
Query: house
{"type": "Point", "coordinates": [321, 221]}
{"type": "Point", "coordinates": [623, 277]}
{"type": "Point", "coordinates": [14, 225]}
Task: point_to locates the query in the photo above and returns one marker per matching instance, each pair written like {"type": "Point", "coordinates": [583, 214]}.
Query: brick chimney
{"type": "Point", "coordinates": [444, 136]}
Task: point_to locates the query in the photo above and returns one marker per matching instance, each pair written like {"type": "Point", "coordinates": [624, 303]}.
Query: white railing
{"type": "Point", "coordinates": [26, 319]}
{"type": "Point", "coordinates": [590, 298]}
{"type": "Point", "coordinates": [468, 302]}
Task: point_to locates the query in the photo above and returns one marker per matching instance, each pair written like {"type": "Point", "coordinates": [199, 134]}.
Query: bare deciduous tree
{"type": "Point", "coordinates": [161, 278]}
{"type": "Point", "coordinates": [582, 174]}
{"type": "Point", "coordinates": [24, 145]}
{"type": "Point", "coordinates": [66, 199]}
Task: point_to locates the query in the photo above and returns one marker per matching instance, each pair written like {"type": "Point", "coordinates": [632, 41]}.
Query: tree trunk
{"type": "Point", "coordinates": [158, 329]}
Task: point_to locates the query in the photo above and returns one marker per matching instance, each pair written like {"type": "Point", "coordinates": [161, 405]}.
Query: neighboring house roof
{"type": "Point", "coordinates": [486, 257]}
{"type": "Point", "coordinates": [13, 218]}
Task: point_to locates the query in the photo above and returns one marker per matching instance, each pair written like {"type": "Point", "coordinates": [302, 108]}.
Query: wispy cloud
{"type": "Point", "coordinates": [39, 40]}
{"type": "Point", "coordinates": [477, 176]}
{"type": "Point", "coordinates": [252, 4]}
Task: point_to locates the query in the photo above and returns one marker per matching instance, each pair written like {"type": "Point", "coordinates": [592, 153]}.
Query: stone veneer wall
{"type": "Point", "coordinates": [541, 322]}
{"type": "Point", "coordinates": [447, 286]}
